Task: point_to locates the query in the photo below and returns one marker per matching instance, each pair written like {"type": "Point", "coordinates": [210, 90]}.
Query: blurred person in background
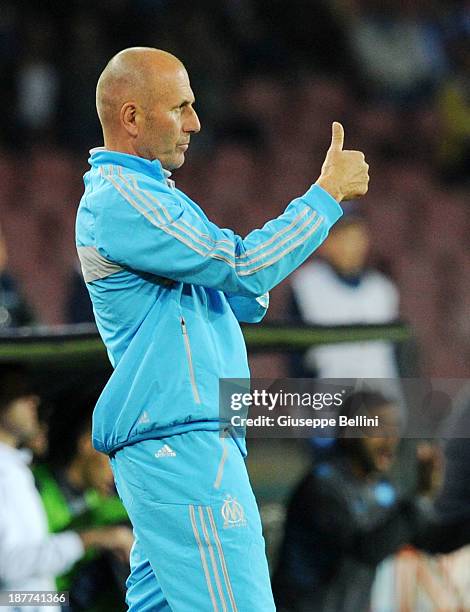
{"type": "Point", "coordinates": [37, 79]}
{"type": "Point", "coordinates": [416, 577]}
{"type": "Point", "coordinates": [399, 48]}
{"type": "Point", "coordinates": [454, 109]}
{"type": "Point", "coordinates": [30, 557]}
{"type": "Point", "coordinates": [346, 516]}
{"type": "Point", "coordinates": [13, 309]}
{"type": "Point", "coordinates": [337, 288]}
{"type": "Point", "coordinates": [77, 489]}
{"type": "Point", "coordinates": [450, 528]}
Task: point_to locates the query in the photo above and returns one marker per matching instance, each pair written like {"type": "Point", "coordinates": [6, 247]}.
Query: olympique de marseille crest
{"type": "Point", "coordinates": [233, 513]}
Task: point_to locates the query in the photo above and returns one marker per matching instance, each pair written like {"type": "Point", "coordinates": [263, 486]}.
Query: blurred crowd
{"type": "Point", "coordinates": [269, 78]}
{"type": "Point", "coordinates": [62, 525]}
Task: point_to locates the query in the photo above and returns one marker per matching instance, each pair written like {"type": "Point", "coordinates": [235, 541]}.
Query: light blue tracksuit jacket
{"type": "Point", "coordinates": [169, 288]}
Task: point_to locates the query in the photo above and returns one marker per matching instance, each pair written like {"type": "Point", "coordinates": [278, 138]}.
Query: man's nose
{"type": "Point", "coordinates": [192, 124]}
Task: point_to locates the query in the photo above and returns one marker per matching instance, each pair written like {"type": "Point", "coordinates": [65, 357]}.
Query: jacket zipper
{"type": "Point", "coordinates": [187, 346]}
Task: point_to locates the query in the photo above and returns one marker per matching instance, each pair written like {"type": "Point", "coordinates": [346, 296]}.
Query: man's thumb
{"type": "Point", "coordinates": [337, 137]}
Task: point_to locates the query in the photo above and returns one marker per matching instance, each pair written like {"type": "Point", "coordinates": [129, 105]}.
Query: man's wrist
{"type": "Point", "coordinates": [331, 188]}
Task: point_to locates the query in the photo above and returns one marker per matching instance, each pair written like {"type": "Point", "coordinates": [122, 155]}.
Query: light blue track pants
{"type": "Point", "coordinates": [199, 545]}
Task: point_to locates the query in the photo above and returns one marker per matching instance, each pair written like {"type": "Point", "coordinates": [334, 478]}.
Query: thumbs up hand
{"type": "Point", "coordinates": [344, 174]}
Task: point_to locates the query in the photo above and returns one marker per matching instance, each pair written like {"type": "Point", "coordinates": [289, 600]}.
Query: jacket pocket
{"type": "Point", "coordinates": [189, 357]}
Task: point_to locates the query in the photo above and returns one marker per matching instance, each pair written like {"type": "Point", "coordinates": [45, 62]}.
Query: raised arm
{"type": "Point", "coordinates": [154, 231]}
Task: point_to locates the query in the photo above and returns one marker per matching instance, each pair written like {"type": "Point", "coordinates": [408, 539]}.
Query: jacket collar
{"type": "Point", "coordinates": [100, 156]}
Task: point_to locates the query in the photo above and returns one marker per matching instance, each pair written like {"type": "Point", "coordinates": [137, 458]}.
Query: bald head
{"type": "Point", "coordinates": [132, 75]}
{"type": "Point", "coordinates": [144, 103]}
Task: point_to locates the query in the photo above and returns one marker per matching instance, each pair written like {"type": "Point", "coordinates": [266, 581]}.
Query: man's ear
{"type": "Point", "coordinates": [128, 118]}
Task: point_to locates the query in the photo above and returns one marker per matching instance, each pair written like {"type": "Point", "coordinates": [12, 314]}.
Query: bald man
{"type": "Point", "coordinates": [169, 289]}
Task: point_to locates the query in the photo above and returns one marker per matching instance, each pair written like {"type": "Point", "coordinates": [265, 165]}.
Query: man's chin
{"type": "Point", "coordinates": [174, 164]}
{"type": "Point", "coordinates": [179, 161]}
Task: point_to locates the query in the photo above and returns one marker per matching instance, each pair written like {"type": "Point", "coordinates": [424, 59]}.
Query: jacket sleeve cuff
{"type": "Point", "coordinates": [322, 202]}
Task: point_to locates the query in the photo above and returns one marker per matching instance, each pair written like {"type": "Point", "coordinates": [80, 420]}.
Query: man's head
{"type": "Point", "coordinates": [373, 449]}
{"type": "Point", "coordinates": [347, 246]}
{"type": "Point", "coordinates": [145, 105]}
{"type": "Point", "coordinates": [19, 423]}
